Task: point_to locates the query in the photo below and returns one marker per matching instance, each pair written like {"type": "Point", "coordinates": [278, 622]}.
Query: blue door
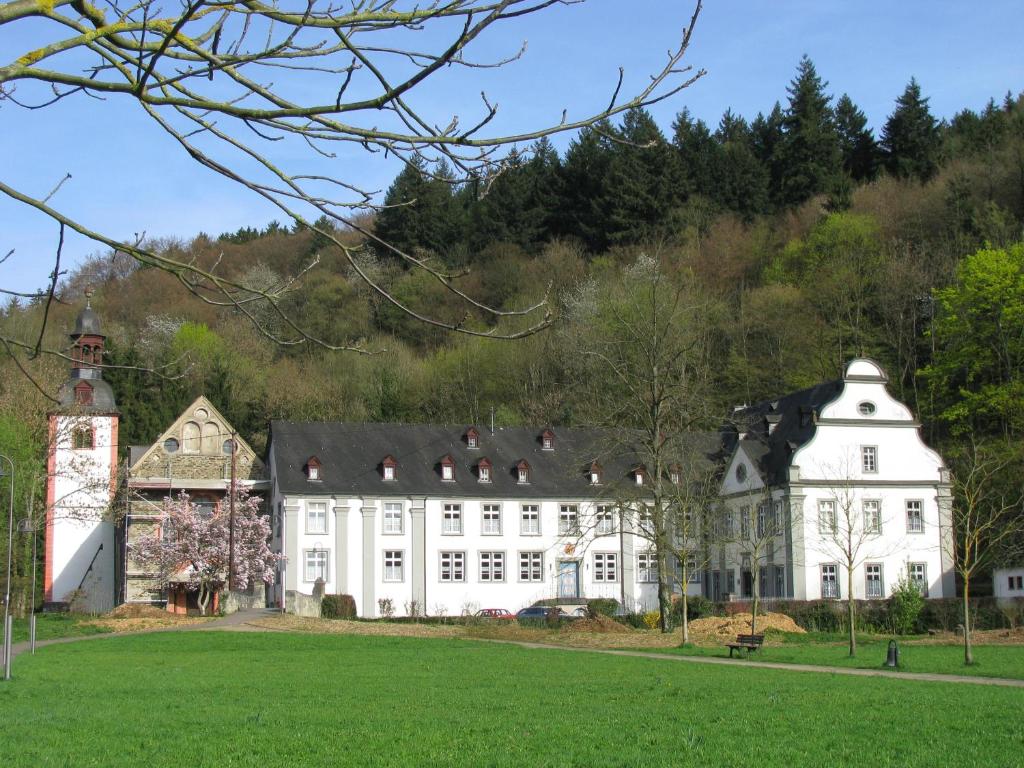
{"type": "Point", "coordinates": [568, 578]}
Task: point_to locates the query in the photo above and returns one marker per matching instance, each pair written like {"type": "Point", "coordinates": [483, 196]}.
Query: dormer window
{"type": "Point", "coordinates": [638, 475]}
{"type": "Point", "coordinates": [472, 438]}
{"type": "Point", "coordinates": [313, 468]}
{"type": "Point", "coordinates": [83, 393]}
{"type": "Point", "coordinates": [675, 474]}
{"type": "Point", "coordinates": [483, 471]}
{"type": "Point", "coordinates": [547, 440]}
{"type": "Point", "coordinates": [596, 474]}
{"type": "Point", "coordinates": [523, 472]}
{"type": "Point", "coordinates": [388, 467]}
{"type": "Point", "coordinates": [448, 469]}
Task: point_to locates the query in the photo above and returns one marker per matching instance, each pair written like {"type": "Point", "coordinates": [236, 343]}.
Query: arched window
{"type": "Point", "coordinates": [190, 440]}
{"type": "Point", "coordinates": [211, 437]}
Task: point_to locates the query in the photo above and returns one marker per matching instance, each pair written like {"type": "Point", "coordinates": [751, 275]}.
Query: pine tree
{"type": "Point", "coordinates": [809, 152]}
{"type": "Point", "coordinates": [910, 137]}
{"type": "Point", "coordinates": [697, 153]}
{"type": "Point", "coordinates": [584, 178]}
{"type": "Point", "coordinates": [740, 178]}
{"type": "Point", "coordinates": [856, 141]}
{"type": "Point", "coordinates": [766, 136]}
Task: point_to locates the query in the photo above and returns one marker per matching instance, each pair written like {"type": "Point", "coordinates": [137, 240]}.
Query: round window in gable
{"type": "Point", "coordinates": [867, 408]}
{"type": "Point", "coordinates": [171, 445]}
{"type": "Point", "coordinates": [741, 473]}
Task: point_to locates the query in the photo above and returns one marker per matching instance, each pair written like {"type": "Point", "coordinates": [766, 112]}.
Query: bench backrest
{"type": "Point", "coordinates": [750, 639]}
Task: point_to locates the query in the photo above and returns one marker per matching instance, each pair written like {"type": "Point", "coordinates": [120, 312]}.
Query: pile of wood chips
{"type": "Point", "coordinates": [601, 624]}
{"type": "Point", "coordinates": [727, 627]}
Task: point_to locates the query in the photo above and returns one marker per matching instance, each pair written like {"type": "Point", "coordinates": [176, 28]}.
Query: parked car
{"type": "Point", "coordinates": [500, 614]}
{"type": "Point", "coordinates": [539, 612]}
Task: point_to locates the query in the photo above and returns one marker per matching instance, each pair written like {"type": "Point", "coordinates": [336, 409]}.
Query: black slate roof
{"type": "Point", "coordinates": [350, 455]}
{"type": "Point", "coordinates": [794, 416]}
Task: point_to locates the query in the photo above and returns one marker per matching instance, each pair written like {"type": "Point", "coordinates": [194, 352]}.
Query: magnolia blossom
{"type": "Point", "coordinates": [190, 545]}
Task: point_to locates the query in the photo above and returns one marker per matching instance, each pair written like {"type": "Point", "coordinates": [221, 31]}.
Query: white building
{"type": "Point", "coordinates": [81, 479]}
{"type": "Point", "coordinates": [446, 519]}
{"type": "Point", "coordinates": [1008, 583]}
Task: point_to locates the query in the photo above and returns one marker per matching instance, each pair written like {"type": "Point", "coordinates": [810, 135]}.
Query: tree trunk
{"type": "Point", "coordinates": [968, 654]}
{"type": "Point", "coordinates": [686, 618]}
{"type": "Point", "coordinates": [755, 583]}
{"type": "Point", "coordinates": [665, 604]}
{"type": "Point", "coordinates": [204, 597]}
{"type": "Point", "coordinates": [851, 611]}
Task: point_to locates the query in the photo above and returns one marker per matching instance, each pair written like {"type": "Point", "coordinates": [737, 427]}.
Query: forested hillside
{"type": "Point", "coordinates": [809, 237]}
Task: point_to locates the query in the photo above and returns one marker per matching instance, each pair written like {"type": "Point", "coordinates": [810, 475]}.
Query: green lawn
{"type": "Point", "coordinates": [51, 625]}
{"type": "Point", "coordinates": [277, 699]}
{"type": "Point", "coordinates": [833, 651]}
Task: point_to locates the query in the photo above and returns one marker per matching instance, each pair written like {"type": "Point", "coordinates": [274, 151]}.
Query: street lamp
{"type": "Point", "coordinates": [8, 629]}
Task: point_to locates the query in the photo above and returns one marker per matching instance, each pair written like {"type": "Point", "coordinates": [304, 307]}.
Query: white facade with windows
{"type": "Point", "coordinates": [848, 473]}
{"type": "Point", "coordinates": [450, 521]}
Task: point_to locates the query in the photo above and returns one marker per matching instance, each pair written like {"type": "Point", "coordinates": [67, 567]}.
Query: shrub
{"type": "Point", "coordinates": [652, 619]}
{"type": "Point", "coordinates": [905, 606]}
{"type": "Point", "coordinates": [386, 607]}
{"type": "Point", "coordinates": [602, 606]}
{"type": "Point", "coordinates": [338, 607]}
{"type": "Point", "coordinates": [697, 607]}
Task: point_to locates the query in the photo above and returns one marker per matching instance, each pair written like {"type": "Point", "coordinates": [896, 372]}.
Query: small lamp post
{"type": "Point", "coordinates": [892, 657]}
{"type": "Point", "coordinates": [8, 619]}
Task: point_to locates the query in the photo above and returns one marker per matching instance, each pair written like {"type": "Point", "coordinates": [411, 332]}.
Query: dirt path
{"type": "Point", "coordinates": [245, 621]}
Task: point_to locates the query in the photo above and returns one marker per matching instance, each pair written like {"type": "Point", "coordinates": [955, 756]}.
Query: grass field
{"type": "Point", "coordinates": [51, 625]}
{"type": "Point", "coordinates": [269, 699]}
{"type": "Point", "coordinates": [832, 651]}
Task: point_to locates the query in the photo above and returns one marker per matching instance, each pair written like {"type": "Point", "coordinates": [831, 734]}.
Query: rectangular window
{"type": "Point", "coordinates": [915, 517]}
{"type": "Point", "coordinates": [606, 566]}
{"type": "Point", "coordinates": [692, 574]}
{"type": "Point", "coordinates": [451, 524]}
{"type": "Point", "coordinates": [780, 581]}
{"type": "Point", "coordinates": [777, 519]}
{"type": "Point", "coordinates": [492, 520]}
{"type": "Point", "coordinates": [872, 516]}
{"type": "Point", "coordinates": [745, 523]}
{"type": "Point", "coordinates": [568, 520]}
{"type": "Point", "coordinates": [316, 517]}
{"type": "Point", "coordinates": [392, 517]}
{"type": "Point", "coordinates": [394, 565]}
{"type": "Point", "coordinates": [453, 566]}
{"type": "Point", "coordinates": [529, 521]}
{"type": "Point", "coordinates": [919, 577]}
{"type": "Point", "coordinates": [873, 581]}
{"type": "Point", "coordinates": [315, 564]}
{"type": "Point", "coordinates": [830, 580]}
{"type": "Point", "coordinates": [647, 567]}
{"type": "Point", "coordinates": [869, 458]}
{"type": "Point", "coordinates": [605, 520]}
{"type": "Point", "coordinates": [531, 566]}
{"type": "Point", "coordinates": [82, 439]}
{"type": "Point", "coordinates": [827, 517]}
{"type": "Point", "coordinates": [762, 520]}
{"type": "Point", "coordinates": [492, 566]}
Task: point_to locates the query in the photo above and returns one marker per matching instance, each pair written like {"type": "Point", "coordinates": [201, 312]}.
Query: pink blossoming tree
{"type": "Point", "coordinates": [190, 545]}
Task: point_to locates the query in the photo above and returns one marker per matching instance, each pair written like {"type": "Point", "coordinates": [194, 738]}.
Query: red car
{"type": "Point", "coordinates": [494, 613]}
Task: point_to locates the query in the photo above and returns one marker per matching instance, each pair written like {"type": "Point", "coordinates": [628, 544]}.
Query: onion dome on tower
{"type": "Point", "coordinates": [85, 389]}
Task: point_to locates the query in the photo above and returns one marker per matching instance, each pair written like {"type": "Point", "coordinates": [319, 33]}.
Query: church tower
{"type": "Point", "coordinates": [81, 477]}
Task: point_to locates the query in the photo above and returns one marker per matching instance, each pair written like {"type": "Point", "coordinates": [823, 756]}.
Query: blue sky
{"type": "Point", "coordinates": [128, 177]}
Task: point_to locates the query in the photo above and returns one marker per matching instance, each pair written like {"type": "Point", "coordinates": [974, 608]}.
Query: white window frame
{"type": "Point", "coordinates": [394, 566]}
{"type": "Point", "coordinates": [827, 521]}
{"type": "Point", "coordinates": [455, 567]}
{"type": "Point", "coordinates": [485, 473]}
{"type": "Point", "coordinates": [917, 574]}
{"type": "Point", "coordinates": [451, 520]}
{"type": "Point", "coordinates": [389, 472]}
{"type": "Point", "coordinates": [834, 569]}
{"type": "Point", "coordinates": [312, 529]}
{"type": "Point", "coordinates": [492, 566]}
{"type": "Point", "coordinates": [874, 588]}
{"type": "Point", "coordinates": [872, 518]}
{"type": "Point", "coordinates": [605, 519]}
{"type": "Point", "coordinates": [313, 471]}
{"type": "Point", "coordinates": [490, 509]}
{"type": "Point", "coordinates": [529, 517]}
{"type": "Point", "coordinates": [762, 519]}
{"type": "Point", "coordinates": [532, 565]}
{"type": "Point", "coordinates": [606, 567]}
{"type": "Point", "coordinates": [646, 567]}
{"type": "Point", "coordinates": [315, 562]}
{"type": "Point", "coordinates": [568, 519]}
{"type": "Point", "coordinates": [744, 523]}
{"type": "Point", "coordinates": [392, 530]}
{"type": "Point", "coordinates": [448, 472]}
{"type": "Point", "coordinates": [915, 511]}
{"type": "Point", "coordinates": [524, 476]}
{"type": "Point", "coordinates": [869, 459]}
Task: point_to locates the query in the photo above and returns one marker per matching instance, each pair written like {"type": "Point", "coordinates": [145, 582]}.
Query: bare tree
{"type": "Point", "coordinates": [849, 531]}
{"type": "Point", "coordinates": [240, 86]}
{"type": "Point", "coordinates": [641, 364]}
{"type": "Point", "coordinates": [987, 517]}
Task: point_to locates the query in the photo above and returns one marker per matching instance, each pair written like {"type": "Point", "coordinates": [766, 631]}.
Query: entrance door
{"type": "Point", "coordinates": [568, 578]}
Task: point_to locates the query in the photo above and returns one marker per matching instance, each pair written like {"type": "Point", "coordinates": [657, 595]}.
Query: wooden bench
{"type": "Point", "coordinates": [747, 642]}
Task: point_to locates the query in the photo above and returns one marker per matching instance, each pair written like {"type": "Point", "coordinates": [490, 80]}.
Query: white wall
{"type": "Point", "coordinates": [1001, 582]}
